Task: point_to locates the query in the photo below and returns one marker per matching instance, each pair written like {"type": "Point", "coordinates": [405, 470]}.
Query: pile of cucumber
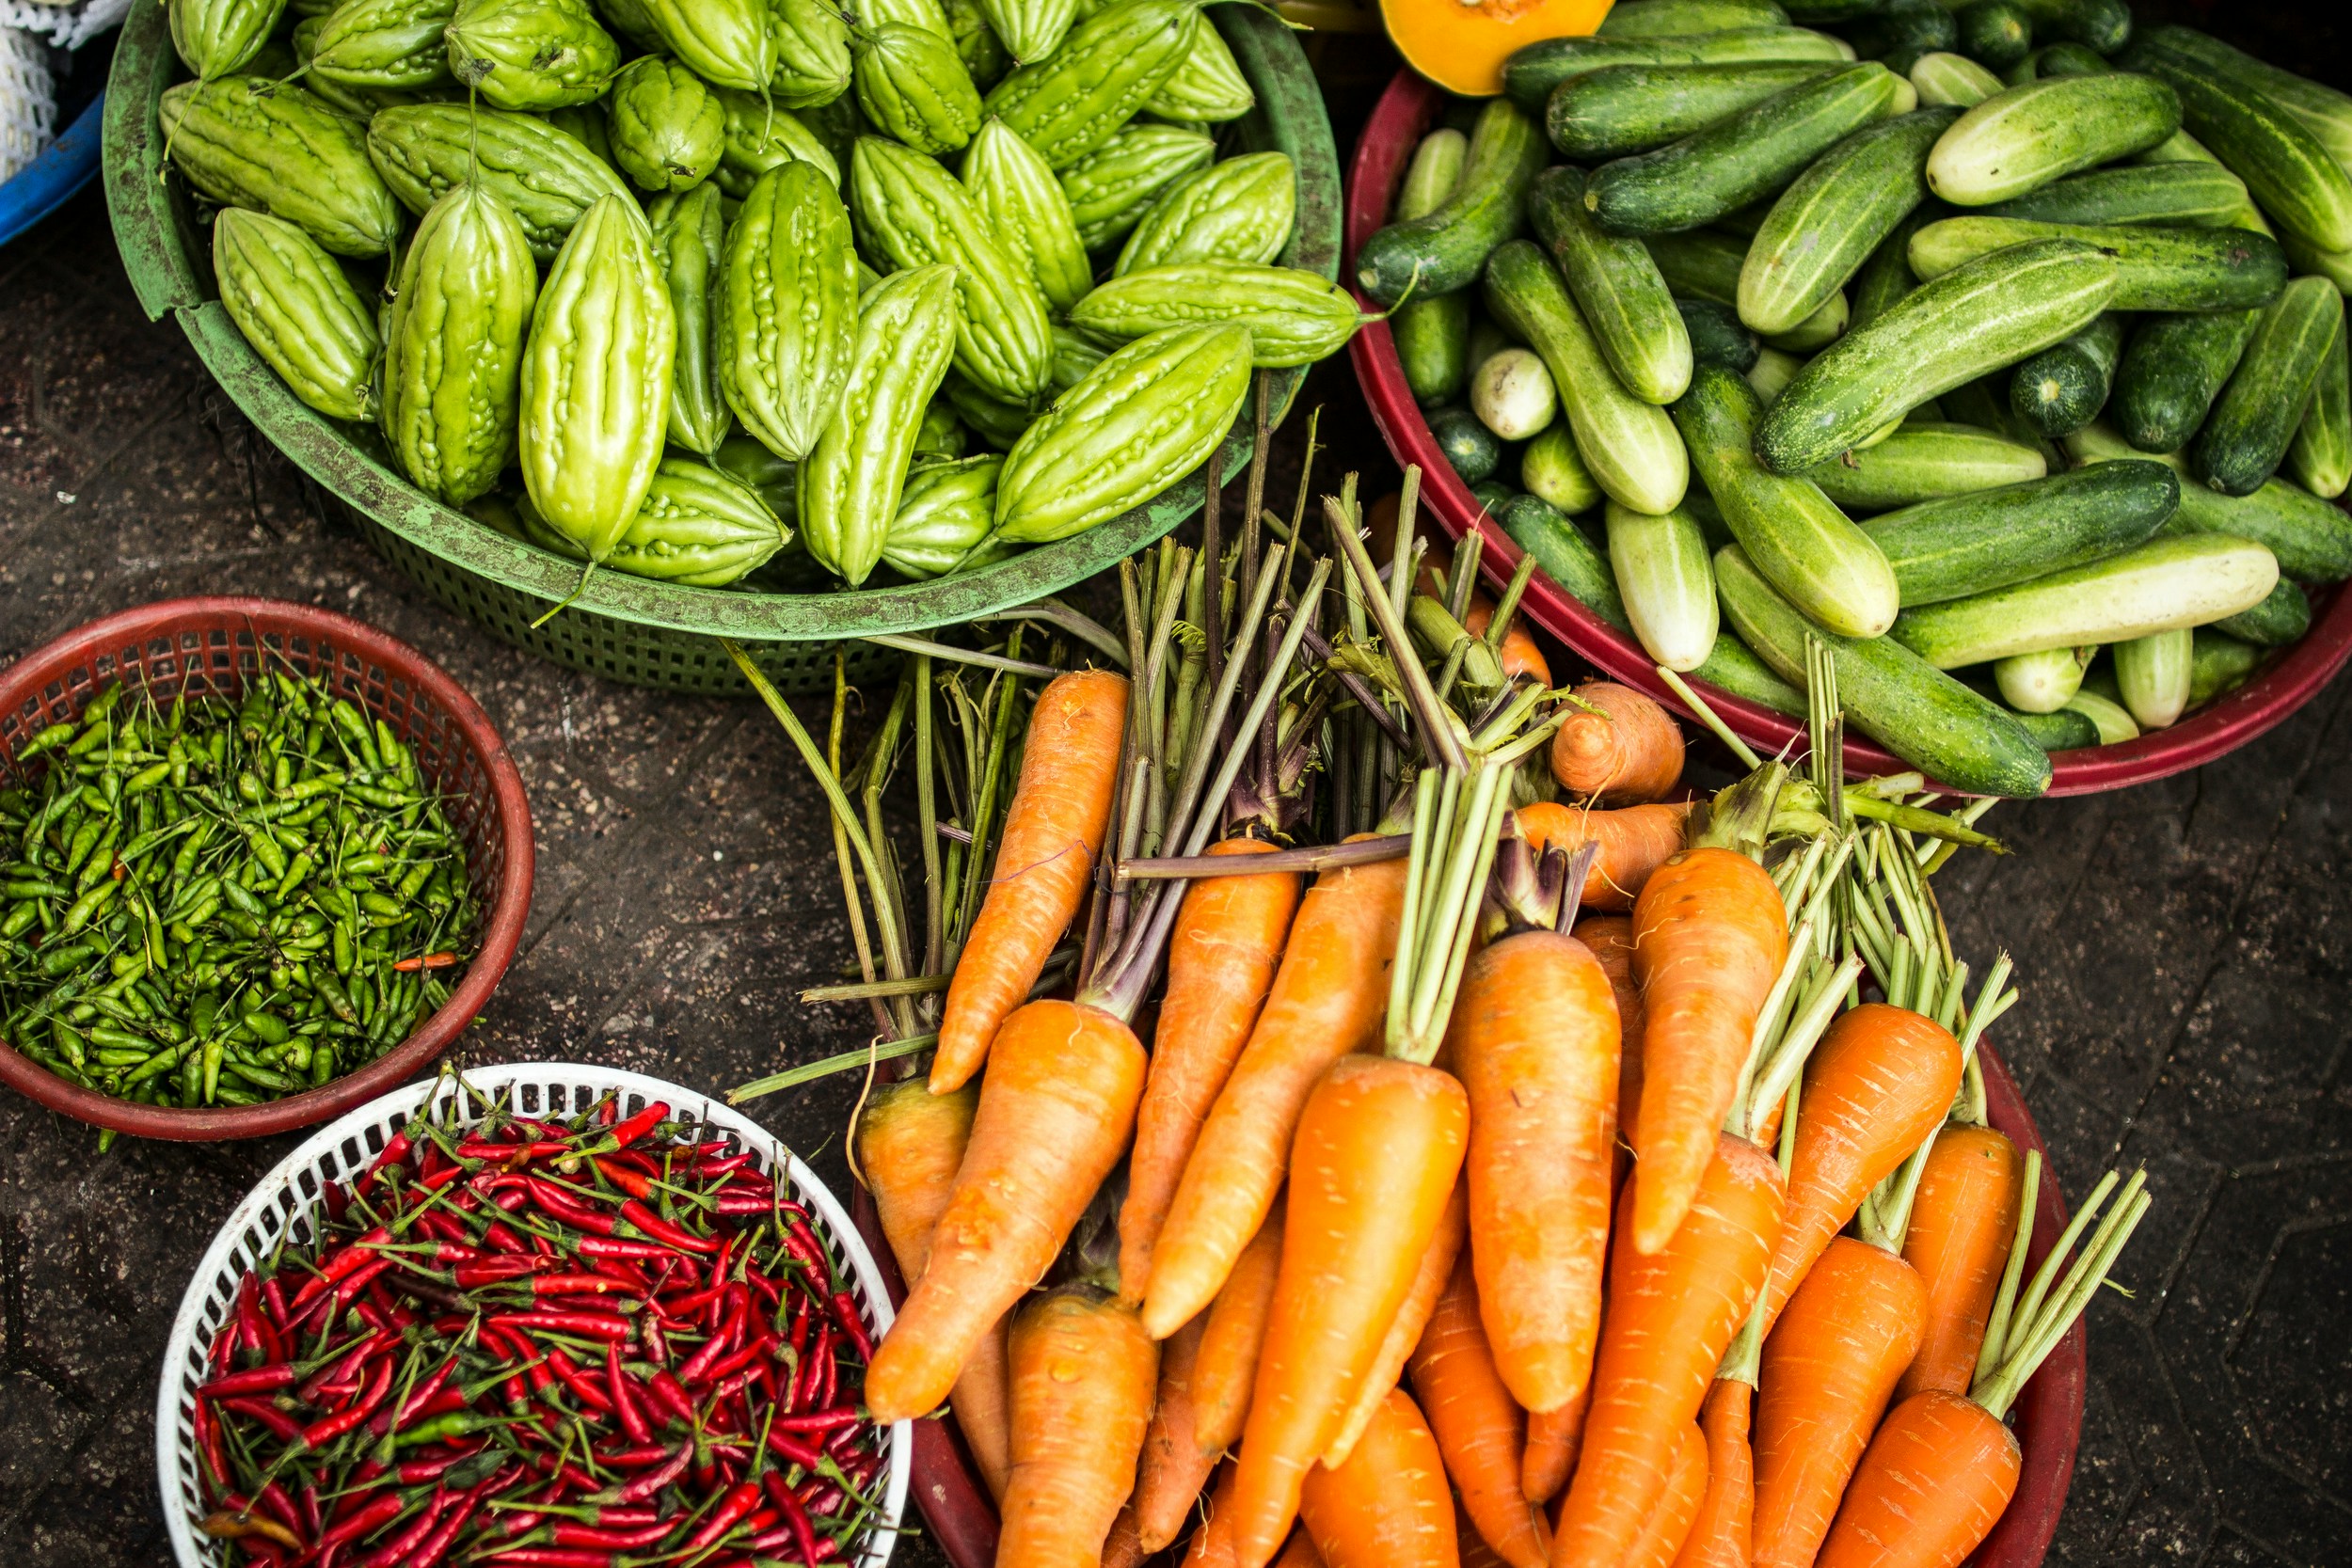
{"type": "Point", "coordinates": [1999, 346]}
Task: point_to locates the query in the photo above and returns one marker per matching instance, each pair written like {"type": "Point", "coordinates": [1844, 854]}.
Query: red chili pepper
{"type": "Point", "coordinates": [636, 1127]}
{"type": "Point", "coordinates": [476, 1273]}
{"type": "Point", "coordinates": [424, 1394]}
{"type": "Point", "coordinates": [398, 1548]}
{"type": "Point", "coordinates": [616, 1246]}
{"type": "Point", "coordinates": [580, 1285]}
{"type": "Point", "coordinates": [645, 1484]}
{"type": "Point", "coordinates": [655, 1227]}
{"type": "Point", "coordinates": [666, 1391]}
{"type": "Point", "coordinates": [371, 1516]}
{"type": "Point", "coordinates": [328, 1428]}
{"type": "Point", "coordinates": [651, 1335]}
{"type": "Point", "coordinates": [609, 1326]}
{"type": "Point", "coordinates": [742, 1200]}
{"type": "Point", "coordinates": [685, 1303]}
{"type": "Point", "coordinates": [499, 1234]}
{"type": "Point", "coordinates": [727, 1366]}
{"type": "Point", "coordinates": [634, 1183]}
{"type": "Point", "coordinates": [625, 1406]}
{"type": "Point", "coordinates": [512, 1154]}
{"type": "Point", "coordinates": [348, 1368]}
{"type": "Point", "coordinates": [256, 1379]}
{"type": "Point", "coordinates": [795, 1518]}
{"type": "Point", "coordinates": [634, 1458]}
{"type": "Point", "coordinates": [818, 1421]}
{"type": "Point", "coordinates": [567, 1533]}
{"type": "Point", "coordinates": [741, 1499]}
{"type": "Point", "coordinates": [395, 1151]}
{"type": "Point", "coordinates": [792, 1450]}
{"type": "Point", "coordinates": [415, 1472]}
{"type": "Point", "coordinates": [336, 1265]}
{"type": "Point", "coordinates": [436, 1547]}
{"type": "Point", "coordinates": [557, 1557]}
{"type": "Point", "coordinates": [554, 1202]}
{"type": "Point", "coordinates": [697, 1368]}
{"type": "Point", "coordinates": [585, 1388]}
{"type": "Point", "coordinates": [281, 1426]}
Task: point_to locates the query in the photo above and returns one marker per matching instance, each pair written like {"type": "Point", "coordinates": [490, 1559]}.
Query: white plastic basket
{"type": "Point", "coordinates": [287, 1197]}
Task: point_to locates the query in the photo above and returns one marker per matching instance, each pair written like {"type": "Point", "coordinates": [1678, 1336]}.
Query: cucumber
{"type": "Point", "coordinates": [1629, 445]}
{"type": "Point", "coordinates": [1830, 12]}
{"type": "Point", "coordinates": [1512, 394]}
{"type": "Point", "coordinates": [2325, 112]}
{"type": "Point", "coordinates": [1565, 555]}
{"type": "Point", "coordinates": [1923, 716]}
{"type": "Point", "coordinates": [1492, 495]}
{"type": "Point", "coordinates": [1823, 228]}
{"type": "Point", "coordinates": [2171, 369]}
{"type": "Point", "coordinates": [1632, 108]}
{"type": "Point", "coordinates": [1551, 468]}
{"type": "Point", "coordinates": [2256, 415]}
{"type": "Point", "coordinates": [1486, 340]}
{"type": "Point", "coordinates": [2200, 195]}
{"type": "Point", "coordinates": [2057, 59]}
{"type": "Point", "coordinates": [1771, 373]}
{"type": "Point", "coordinates": [1984, 402]}
{"type": "Point", "coordinates": [1990, 311]}
{"type": "Point", "coordinates": [1706, 265]}
{"type": "Point", "coordinates": [1886, 276]}
{"type": "Point", "coordinates": [2154, 673]}
{"type": "Point", "coordinates": [1434, 174]}
{"type": "Point", "coordinates": [1468, 445]}
{"type": "Point", "coordinates": [1746, 221]}
{"type": "Point", "coordinates": [1617, 287]}
{"type": "Point", "coordinates": [1731, 163]}
{"type": "Point", "coordinates": [1995, 34]}
{"type": "Point", "coordinates": [1443, 250]}
{"type": "Point", "coordinates": [2157, 268]}
{"type": "Point", "coordinates": [1651, 18]}
{"type": "Point", "coordinates": [1973, 544]}
{"type": "Point", "coordinates": [2062, 731]}
{"type": "Point", "coordinates": [2043, 682]}
{"type": "Point", "coordinates": [2062, 388]}
{"type": "Point", "coordinates": [2311, 538]}
{"type": "Point", "coordinates": [2102, 26]}
{"type": "Point", "coordinates": [1432, 335]}
{"type": "Point", "coordinates": [1533, 70]}
{"type": "Point", "coordinates": [1794, 534]}
{"type": "Point", "coordinates": [2107, 716]}
{"type": "Point", "coordinates": [1818, 330]}
{"type": "Point", "coordinates": [2024, 137]}
{"type": "Point", "coordinates": [1718, 336]}
{"type": "Point", "coordinates": [2320, 457]}
{"type": "Point", "coordinates": [2283, 617]}
{"type": "Point", "coordinates": [2217, 663]}
{"type": "Point", "coordinates": [1926, 460]}
{"type": "Point", "coordinates": [1953, 79]}
{"type": "Point", "coordinates": [2171, 580]}
{"type": "Point", "coordinates": [2334, 265]}
{"type": "Point", "coordinates": [1667, 584]}
{"type": "Point", "coordinates": [1734, 667]}
{"type": "Point", "coordinates": [1915, 26]}
{"type": "Point", "coordinates": [2290, 171]}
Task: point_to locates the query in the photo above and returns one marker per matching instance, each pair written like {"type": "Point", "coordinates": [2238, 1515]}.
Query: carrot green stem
{"type": "Point", "coordinates": [2054, 1302]}
{"type": "Point", "coordinates": [1709, 717]}
{"type": "Point", "coordinates": [1823, 995]}
{"type": "Point", "coordinates": [957, 655]}
{"type": "Point", "coordinates": [1498, 623]}
{"type": "Point", "coordinates": [2013, 1272]}
{"type": "Point", "coordinates": [914, 985]}
{"type": "Point", "coordinates": [883, 1051]}
{"type": "Point", "coordinates": [1430, 715]}
{"type": "Point", "coordinates": [1053, 613]}
{"type": "Point", "coordinates": [1363, 852]}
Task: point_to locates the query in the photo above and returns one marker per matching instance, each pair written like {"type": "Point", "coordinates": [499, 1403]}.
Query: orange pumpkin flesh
{"type": "Point", "coordinates": [1462, 47]}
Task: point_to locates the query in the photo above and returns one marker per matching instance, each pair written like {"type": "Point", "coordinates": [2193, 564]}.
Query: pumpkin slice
{"type": "Point", "coordinates": [1462, 47]}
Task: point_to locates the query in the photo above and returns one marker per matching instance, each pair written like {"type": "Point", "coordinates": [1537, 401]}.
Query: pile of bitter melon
{"type": "Point", "coordinates": [693, 284]}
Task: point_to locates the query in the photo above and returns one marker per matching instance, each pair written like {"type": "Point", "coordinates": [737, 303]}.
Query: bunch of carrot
{"type": "Point", "coordinates": [1554, 1167]}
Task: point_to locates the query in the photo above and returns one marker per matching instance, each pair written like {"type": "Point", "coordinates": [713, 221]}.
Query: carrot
{"type": "Point", "coordinates": [1621, 750]}
{"type": "Point", "coordinates": [1829, 1366]}
{"type": "Point", "coordinates": [1228, 1364]}
{"type": "Point", "coordinates": [1083, 1372]}
{"type": "Point", "coordinates": [1211, 1543]}
{"type": "Point", "coordinates": [983, 1405]}
{"type": "Point", "coordinates": [1123, 1548]}
{"type": "Point", "coordinates": [1299, 1552]}
{"type": "Point", "coordinates": [1671, 1315]}
{"type": "Point", "coordinates": [1174, 1469]}
{"type": "Point", "coordinates": [1327, 1000]}
{"type": "Point", "coordinates": [1054, 1111]}
{"type": "Point", "coordinates": [1388, 1506]}
{"type": "Point", "coordinates": [1633, 842]}
{"type": "Point", "coordinates": [1611, 938]}
{"type": "Point", "coordinates": [1670, 1522]}
{"type": "Point", "coordinates": [1721, 1533]}
{"type": "Point", "coordinates": [1472, 1546]}
{"type": "Point", "coordinates": [1045, 855]}
{"type": "Point", "coordinates": [1477, 1425]}
{"type": "Point", "coordinates": [1378, 1150]}
{"type": "Point", "coordinates": [1553, 1439]}
{"type": "Point", "coordinates": [1939, 1473]}
{"type": "Point", "coordinates": [1534, 1041]}
{"type": "Point", "coordinates": [1405, 1330]}
{"type": "Point", "coordinates": [1879, 1082]}
{"type": "Point", "coordinates": [1709, 937]}
{"type": "Point", "coordinates": [1961, 1224]}
{"type": "Point", "coordinates": [1221, 957]}
{"type": "Point", "coordinates": [1518, 655]}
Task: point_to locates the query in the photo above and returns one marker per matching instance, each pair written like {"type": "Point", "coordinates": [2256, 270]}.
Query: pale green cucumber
{"type": "Point", "coordinates": [1665, 582]}
{"type": "Point", "coordinates": [1922, 461]}
{"type": "Point", "coordinates": [1964, 545]}
{"type": "Point", "coordinates": [2333, 266]}
{"type": "Point", "coordinates": [2157, 267]}
{"type": "Point", "coordinates": [1512, 394]}
{"type": "Point", "coordinates": [1705, 264]}
{"type": "Point", "coordinates": [1432, 335]}
{"type": "Point", "coordinates": [2253, 420]}
{"type": "Point", "coordinates": [1824, 226]}
{"type": "Point", "coordinates": [2325, 112]}
{"type": "Point", "coordinates": [1617, 287]}
{"type": "Point", "coordinates": [1771, 373]}
{"type": "Point", "coordinates": [2194, 192]}
{"type": "Point", "coordinates": [1435, 171]}
{"type": "Point", "coordinates": [2311, 538]}
{"type": "Point", "coordinates": [2114, 725]}
{"type": "Point", "coordinates": [2154, 673]}
{"type": "Point", "coordinates": [2024, 137]}
{"type": "Point", "coordinates": [1940, 76]}
{"type": "Point", "coordinates": [1552, 468]}
{"type": "Point", "coordinates": [2043, 682]}
{"type": "Point", "coordinates": [2320, 457]}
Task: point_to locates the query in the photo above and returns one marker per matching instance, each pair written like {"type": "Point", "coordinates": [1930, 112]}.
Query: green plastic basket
{"type": "Point", "coordinates": [628, 628]}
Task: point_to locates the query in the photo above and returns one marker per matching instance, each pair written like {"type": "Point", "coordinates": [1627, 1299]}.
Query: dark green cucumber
{"type": "Point", "coordinates": [1923, 461]}
{"type": "Point", "coordinates": [2311, 538]}
{"type": "Point", "coordinates": [1735, 161]}
{"type": "Point", "coordinates": [2323, 110]}
{"type": "Point", "coordinates": [1886, 276]}
{"type": "Point", "coordinates": [2218, 663]}
{"type": "Point", "coordinates": [2255, 417]}
{"type": "Point", "coordinates": [1468, 445]}
{"type": "Point", "coordinates": [1984, 403]}
{"type": "Point", "coordinates": [1492, 495]}
{"type": "Point", "coordinates": [1916, 25]}
{"type": "Point", "coordinates": [2158, 267]}
{"type": "Point", "coordinates": [1816, 13]}
{"type": "Point", "coordinates": [1532, 72]}
{"type": "Point", "coordinates": [2201, 194]}
{"type": "Point", "coordinates": [1432, 336]}
{"type": "Point", "coordinates": [1925, 717]}
{"type": "Point", "coordinates": [1964, 545]}
{"type": "Point", "coordinates": [1718, 336]}
{"type": "Point", "coordinates": [2057, 59]}
{"type": "Point", "coordinates": [1621, 109]}
{"type": "Point", "coordinates": [1733, 666]}
{"type": "Point", "coordinates": [2102, 26]}
{"type": "Point", "coordinates": [1617, 287]}
{"type": "Point", "coordinates": [1996, 33]}
{"type": "Point", "coordinates": [2173, 368]}
{"type": "Point", "coordinates": [2283, 617]}
{"type": "Point", "coordinates": [1651, 18]}
{"type": "Point", "coordinates": [2291, 172]}
{"type": "Point", "coordinates": [2062, 388]}
{"type": "Point", "coordinates": [1824, 226]}
{"type": "Point", "coordinates": [2062, 731]}
{"type": "Point", "coordinates": [1567, 556]}
{"type": "Point", "coordinates": [2321, 456]}
{"type": "Point", "coordinates": [1443, 250]}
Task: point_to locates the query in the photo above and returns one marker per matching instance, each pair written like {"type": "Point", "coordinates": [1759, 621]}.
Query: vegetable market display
{"type": "Point", "coordinates": [701, 293]}
{"type": "Point", "coordinates": [1513, 1127]}
{"type": "Point", "coordinates": [2002, 347]}
{"type": "Point", "coordinates": [217, 903]}
{"type": "Point", "coordinates": [544, 1343]}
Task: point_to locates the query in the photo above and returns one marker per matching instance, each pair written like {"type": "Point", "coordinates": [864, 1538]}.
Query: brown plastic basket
{"type": "Point", "coordinates": [213, 646]}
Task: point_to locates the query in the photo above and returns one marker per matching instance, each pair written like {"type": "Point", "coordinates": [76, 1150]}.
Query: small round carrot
{"type": "Point", "coordinates": [1328, 997]}
{"type": "Point", "coordinates": [1056, 1109]}
{"type": "Point", "coordinates": [1671, 1315]}
{"type": "Point", "coordinates": [1879, 1082]}
{"type": "Point", "coordinates": [1388, 1506]}
{"type": "Point", "coordinates": [1082, 1375]}
{"type": "Point", "coordinates": [1477, 1425]}
{"type": "Point", "coordinates": [1709, 937]}
{"type": "Point", "coordinates": [1378, 1150]}
{"type": "Point", "coordinates": [1722, 1532]}
{"type": "Point", "coordinates": [1045, 855]}
{"type": "Point", "coordinates": [1534, 1039]}
{"type": "Point", "coordinates": [1936, 1479]}
{"type": "Point", "coordinates": [1620, 750]}
{"type": "Point", "coordinates": [1221, 957]}
{"type": "Point", "coordinates": [1670, 1522]}
{"type": "Point", "coordinates": [1405, 1330]}
{"type": "Point", "coordinates": [1962, 1222]}
{"type": "Point", "coordinates": [1829, 1366]}
{"type": "Point", "coordinates": [1174, 1469]}
{"type": "Point", "coordinates": [1228, 1364]}
{"type": "Point", "coordinates": [1553, 1439]}
{"type": "Point", "coordinates": [1632, 843]}
{"type": "Point", "coordinates": [1611, 938]}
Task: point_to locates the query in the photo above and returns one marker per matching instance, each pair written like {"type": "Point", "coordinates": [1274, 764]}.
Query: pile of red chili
{"type": "Point", "coordinates": [584, 1344]}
